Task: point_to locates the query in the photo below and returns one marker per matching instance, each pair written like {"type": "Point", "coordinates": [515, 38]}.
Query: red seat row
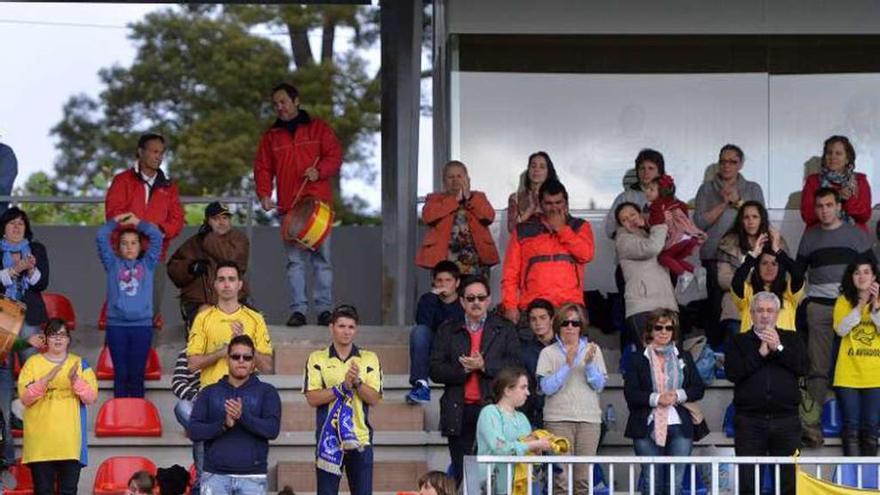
{"type": "Point", "coordinates": [111, 478]}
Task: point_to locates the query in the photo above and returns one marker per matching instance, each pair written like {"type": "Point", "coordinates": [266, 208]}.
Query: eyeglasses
{"type": "Point", "coordinates": [242, 357]}
{"type": "Point", "coordinates": [572, 323]}
{"type": "Point", "coordinates": [664, 328]}
{"type": "Point", "coordinates": [472, 298]}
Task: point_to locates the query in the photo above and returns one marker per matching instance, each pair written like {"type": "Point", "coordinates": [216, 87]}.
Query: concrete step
{"type": "Point", "coordinates": [385, 416]}
{"type": "Point", "coordinates": [388, 476]}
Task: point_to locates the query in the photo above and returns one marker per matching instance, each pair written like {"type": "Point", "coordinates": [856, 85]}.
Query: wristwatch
{"type": "Point", "coordinates": [779, 348]}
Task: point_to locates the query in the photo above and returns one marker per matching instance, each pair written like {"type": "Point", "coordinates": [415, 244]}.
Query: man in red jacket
{"type": "Point", "coordinates": [145, 191]}
{"type": "Point", "coordinates": [295, 149]}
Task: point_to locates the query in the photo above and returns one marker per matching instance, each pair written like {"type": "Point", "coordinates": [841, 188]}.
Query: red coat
{"type": "Point", "coordinates": [283, 159]}
{"type": "Point", "coordinates": [439, 214]}
{"type": "Point", "coordinates": [857, 207]}
{"type": "Point", "coordinates": [127, 193]}
{"type": "Point", "coordinates": [546, 264]}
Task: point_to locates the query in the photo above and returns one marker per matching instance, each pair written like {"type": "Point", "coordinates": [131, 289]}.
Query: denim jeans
{"type": "Point", "coordinates": [359, 470]}
{"type": "Point", "coordinates": [183, 410]}
{"type": "Point", "coordinates": [45, 474]}
{"type": "Point", "coordinates": [676, 445]}
{"type": "Point", "coordinates": [322, 277]}
{"type": "Point", "coordinates": [860, 408]}
{"type": "Point", "coordinates": [224, 484]}
{"type": "Point", "coordinates": [129, 348]}
{"type": "Point", "coordinates": [420, 339]}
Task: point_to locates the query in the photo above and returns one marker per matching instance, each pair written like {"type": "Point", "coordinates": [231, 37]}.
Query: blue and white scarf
{"type": "Point", "coordinates": [19, 287]}
{"type": "Point", "coordinates": [337, 433]}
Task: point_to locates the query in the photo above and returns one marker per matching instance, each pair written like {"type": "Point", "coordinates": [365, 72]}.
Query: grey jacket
{"type": "Point", "coordinates": [648, 286]}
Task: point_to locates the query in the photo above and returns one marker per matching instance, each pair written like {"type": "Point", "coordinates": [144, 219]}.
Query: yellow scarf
{"type": "Point", "coordinates": [560, 445]}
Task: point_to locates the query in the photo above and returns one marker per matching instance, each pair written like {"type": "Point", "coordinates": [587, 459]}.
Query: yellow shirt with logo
{"type": "Point", "coordinates": [859, 357]}
{"type": "Point", "coordinates": [212, 330]}
{"type": "Point", "coordinates": [786, 318]}
{"type": "Point", "coordinates": [324, 369]}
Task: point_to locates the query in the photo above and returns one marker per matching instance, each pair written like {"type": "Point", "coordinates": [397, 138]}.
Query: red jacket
{"type": "Point", "coordinates": [283, 159]}
{"type": "Point", "coordinates": [858, 207]}
{"type": "Point", "coordinates": [127, 193]}
{"type": "Point", "coordinates": [546, 264]}
{"type": "Point", "coordinates": [439, 213]}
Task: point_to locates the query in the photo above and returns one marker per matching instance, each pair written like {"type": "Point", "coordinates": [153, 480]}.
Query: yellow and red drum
{"type": "Point", "coordinates": [308, 223]}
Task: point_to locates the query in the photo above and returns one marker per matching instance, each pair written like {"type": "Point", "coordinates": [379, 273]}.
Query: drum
{"type": "Point", "coordinates": [11, 321]}
{"type": "Point", "coordinates": [308, 223]}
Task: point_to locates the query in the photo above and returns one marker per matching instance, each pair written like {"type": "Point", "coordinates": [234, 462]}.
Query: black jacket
{"type": "Point", "coordinates": [766, 385]}
{"type": "Point", "coordinates": [36, 308]}
{"type": "Point", "coordinates": [499, 347]}
{"type": "Point", "coordinates": [638, 387]}
{"type": "Point", "coordinates": [530, 348]}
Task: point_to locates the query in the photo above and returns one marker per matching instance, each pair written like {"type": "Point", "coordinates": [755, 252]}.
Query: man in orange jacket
{"type": "Point", "coordinates": [546, 255]}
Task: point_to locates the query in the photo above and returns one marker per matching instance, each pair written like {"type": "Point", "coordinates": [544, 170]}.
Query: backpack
{"type": "Point", "coordinates": [703, 357]}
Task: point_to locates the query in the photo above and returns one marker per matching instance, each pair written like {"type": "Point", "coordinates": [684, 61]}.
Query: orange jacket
{"type": "Point", "coordinates": [439, 213]}
{"type": "Point", "coordinates": [546, 264]}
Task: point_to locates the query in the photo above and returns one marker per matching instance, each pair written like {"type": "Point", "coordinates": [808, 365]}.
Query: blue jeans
{"type": "Point", "coordinates": [358, 468]}
{"type": "Point", "coordinates": [860, 408]}
{"type": "Point", "coordinates": [676, 445]}
{"type": "Point", "coordinates": [224, 484]}
{"type": "Point", "coordinates": [183, 410]}
{"type": "Point", "coordinates": [322, 277]}
{"type": "Point", "coordinates": [420, 339]}
{"type": "Point", "coordinates": [129, 348]}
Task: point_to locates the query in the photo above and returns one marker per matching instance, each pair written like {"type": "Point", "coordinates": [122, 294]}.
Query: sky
{"type": "Point", "coordinates": [51, 51]}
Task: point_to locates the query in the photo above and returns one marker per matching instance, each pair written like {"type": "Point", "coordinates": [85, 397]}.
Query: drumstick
{"type": "Point", "coordinates": [302, 186]}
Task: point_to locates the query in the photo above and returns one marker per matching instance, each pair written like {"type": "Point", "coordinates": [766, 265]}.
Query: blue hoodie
{"type": "Point", "coordinates": [129, 282]}
{"type": "Point", "coordinates": [244, 448]}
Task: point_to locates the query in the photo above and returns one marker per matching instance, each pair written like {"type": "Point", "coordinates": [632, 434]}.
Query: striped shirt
{"type": "Point", "coordinates": [184, 383]}
{"type": "Point", "coordinates": [825, 255]}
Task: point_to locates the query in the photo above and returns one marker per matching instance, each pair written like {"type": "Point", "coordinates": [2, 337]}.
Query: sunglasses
{"type": "Point", "coordinates": [571, 323]}
{"type": "Point", "coordinates": [664, 328]}
{"type": "Point", "coordinates": [472, 298]}
{"type": "Point", "coordinates": [242, 357]}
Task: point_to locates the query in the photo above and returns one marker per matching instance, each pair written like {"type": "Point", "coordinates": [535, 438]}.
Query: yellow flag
{"type": "Point", "coordinates": [809, 485]}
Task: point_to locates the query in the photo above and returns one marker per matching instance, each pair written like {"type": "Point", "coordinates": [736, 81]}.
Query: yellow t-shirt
{"type": "Point", "coordinates": [212, 330]}
{"type": "Point", "coordinates": [55, 426]}
{"type": "Point", "coordinates": [324, 369]}
{"type": "Point", "coordinates": [786, 318]}
{"type": "Point", "coordinates": [859, 356]}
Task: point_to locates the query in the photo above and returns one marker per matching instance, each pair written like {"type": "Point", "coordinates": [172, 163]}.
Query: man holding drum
{"type": "Point", "coordinates": [300, 154]}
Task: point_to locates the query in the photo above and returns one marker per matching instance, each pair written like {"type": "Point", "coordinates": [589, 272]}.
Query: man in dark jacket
{"type": "Point", "coordinates": [532, 341]}
{"type": "Point", "coordinates": [236, 417]}
{"type": "Point", "coordinates": [465, 356]}
{"type": "Point", "coordinates": [193, 265]}
{"type": "Point", "coordinates": [764, 364]}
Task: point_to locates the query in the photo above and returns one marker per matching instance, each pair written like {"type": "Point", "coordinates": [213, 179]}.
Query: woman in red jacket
{"type": "Point", "coordinates": [458, 222]}
{"type": "Point", "coordinates": [838, 172]}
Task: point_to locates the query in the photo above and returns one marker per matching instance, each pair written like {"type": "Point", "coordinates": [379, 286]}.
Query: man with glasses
{"type": "Point", "coordinates": [236, 418]}
{"type": "Point", "coordinates": [465, 357]}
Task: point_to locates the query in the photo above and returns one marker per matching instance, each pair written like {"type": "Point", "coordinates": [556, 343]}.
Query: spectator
{"type": "Point", "coordinates": [8, 172]}
{"type": "Point", "coordinates": [764, 365]}
{"type": "Point", "coordinates": [214, 327]}
{"type": "Point", "coordinates": [825, 250]}
{"type": "Point", "coordinates": [192, 267]}
{"type": "Point", "coordinates": [55, 387]}
{"type": "Point", "coordinates": [682, 237]}
{"type": "Point", "coordinates": [716, 207]}
{"type": "Point", "coordinates": [501, 429]}
{"type": "Point", "coordinates": [768, 268]}
{"type": "Point", "coordinates": [647, 283]}
{"type": "Point", "coordinates": [546, 256]}
{"type": "Point", "coordinates": [434, 307]}
{"type": "Point", "coordinates": [141, 483]}
{"type": "Point", "coordinates": [465, 357]}
{"type": "Point", "coordinates": [751, 221]}
{"type": "Point", "coordinates": [236, 418]}
{"type": "Point", "coordinates": [174, 480]}
{"type": "Point", "coordinates": [145, 191]}
{"type": "Point", "coordinates": [657, 386]}
{"type": "Point", "coordinates": [343, 382]}
{"type": "Point", "coordinates": [129, 298]}
{"type": "Point", "coordinates": [458, 222]}
{"type": "Point", "coordinates": [856, 321]}
{"type": "Point", "coordinates": [838, 173]}
{"type": "Point", "coordinates": [299, 153]}
{"type": "Point", "coordinates": [526, 202]}
{"type": "Point", "coordinates": [185, 386]}
{"type": "Point", "coordinates": [532, 341]}
{"type": "Point", "coordinates": [572, 374]}
{"type": "Point", "coordinates": [649, 165]}
{"type": "Point", "coordinates": [437, 483]}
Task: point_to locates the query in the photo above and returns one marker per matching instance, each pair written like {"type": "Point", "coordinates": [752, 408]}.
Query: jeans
{"type": "Point", "coordinates": [45, 474]}
{"type": "Point", "coordinates": [129, 348]}
{"type": "Point", "coordinates": [359, 470]}
{"type": "Point", "coordinates": [766, 435]}
{"type": "Point", "coordinates": [322, 277]}
{"type": "Point", "coordinates": [183, 410]}
{"type": "Point", "coordinates": [224, 484]}
{"type": "Point", "coordinates": [676, 445]}
{"type": "Point", "coordinates": [420, 339]}
{"type": "Point", "coordinates": [860, 408]}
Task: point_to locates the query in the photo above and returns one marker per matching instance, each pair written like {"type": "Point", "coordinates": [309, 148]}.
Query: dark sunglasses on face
{"type": "Point", "coordinates": [661, 328]}
{"type": "Point", "coordinates": [473, 298]}
{"type": "Point", "coordinates": [242, 357]}
{"type": "Point", "coordinates": [573, 323]}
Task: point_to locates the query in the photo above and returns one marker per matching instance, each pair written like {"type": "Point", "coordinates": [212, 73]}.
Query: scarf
{"type": "Point", "coordinates": [337, 433]}
{"type": "Point", "coordinates": [666, 376]}
{"type": "Point", "coordinates": [845, 179]}
{"type": "Point", "coordinates": [19, 287]}
{"type": "Point", "coordinates": [561, 445]}
{"type": "Point", "coordinates": [302, 117]}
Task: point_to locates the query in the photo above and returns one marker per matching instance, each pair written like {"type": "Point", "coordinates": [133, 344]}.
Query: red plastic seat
{"type": "Point", "coordinates": [24, 481]}
{"type": "Point", "coordinates": [153, 370]}
{"type": "Point", "coordinates": [158, 321]}
{"type": "Point", "coordinates": [59, 306]}
{"type": "Point", "coordinates": [128, 417]}
{"type": "Point", "coordinates": [113, 474]}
